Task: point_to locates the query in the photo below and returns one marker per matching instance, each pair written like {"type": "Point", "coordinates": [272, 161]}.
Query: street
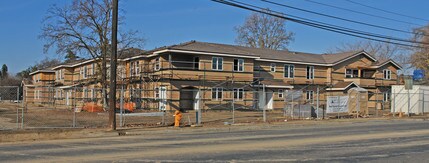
{"type": "Point", "coordinates": [360, 141]}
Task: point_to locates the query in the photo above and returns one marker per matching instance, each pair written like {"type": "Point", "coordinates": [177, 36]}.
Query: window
{"type": "Point", "coordinates": [217, 63]}
{"type": "Point", "coordinates": [352, 73]}
{"type": "Point", "coordinates": [273, 67]}
{"type": "Point", "coordinates": [310, 72]}
{"type": "Point", "coordinates": [35, 94]}
{"type": "Point", "coordinates": [81, 72]}
{"type": "Point", "coordinates": [156, 93]}
{"type": "Point", "coordinates": [280, 93]}
{"type": "Point", "coordinates": [85, 93]}
{"type": "Point", "coordinates": [386, 96]}
{"type": "Point", "coordinates": [93, 95]}
{"type": "Point", "coordinates": [137, 68]}
{"type": "Point", "coordinates": [238, 93]}
{"type": "Point", "coordinates": [157, 64]}
{"type": "Point", "coordinates": [310, 96]}
{"type": "Point", "coordinates": [61, 74]}
{"type": "Point", "coordinates": [93, 69]}
{"type": "Point", "coordinates": [217, 93]}
{"type": "Point", "coordinates": [239, 65]}
{"type": "Point", "coordinates": [196, 63]}
{"type": "Point", "coordinates": [85, 71]}
{"type": "Point", "coordinates": [387, 74]}
{"type": "Point", "coordinates": [131, 68]}
{"type": "Point", "coordinates": [289, 71]}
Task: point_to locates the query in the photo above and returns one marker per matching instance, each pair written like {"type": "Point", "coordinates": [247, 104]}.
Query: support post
{"type": "Point", "coordinates": [113, 60]}
{"type": "Point", "coordinates": [409, 103]}
{"type": "Point", "coordinates": [121, 106]}
{"type": "Point", "coordinates": [317, 102]}
{"type": "Point", "coordinates": [264, 96]}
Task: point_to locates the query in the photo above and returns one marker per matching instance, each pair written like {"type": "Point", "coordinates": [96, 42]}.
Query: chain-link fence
{"type": "Point", "coordinates": [10, 107]}
{"type": "Point", "coordinates": [84, 107]}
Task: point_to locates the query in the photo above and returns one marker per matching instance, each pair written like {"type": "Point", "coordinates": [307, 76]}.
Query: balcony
{"type": "Point", "coordinates": [362, 82]}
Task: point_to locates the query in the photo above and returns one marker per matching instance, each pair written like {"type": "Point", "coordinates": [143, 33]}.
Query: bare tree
{"type": "Point", "coordinates": [43, 64]}
{"type": "Point", "coordinates": [420, 56]}
{"type": "Point", "coordinates": [84, 28]}
{"type": "Point", "coordinates": [382, 51]}
{"type": "Point", "coordinates": [263, 31]}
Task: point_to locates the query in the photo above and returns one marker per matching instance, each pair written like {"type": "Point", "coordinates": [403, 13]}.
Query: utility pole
{"type": "Point", "coordinates": [113, 60]}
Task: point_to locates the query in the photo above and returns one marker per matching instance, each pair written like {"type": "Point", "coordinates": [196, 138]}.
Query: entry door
{"type": "Point", "coordinates": [68, 96]}
{"type": "Point", "coordinates": [162, 98]}
{"type": "Point", "coordinates": [196, 100]}
{"type": "Point", "coordinates": [270, 100]}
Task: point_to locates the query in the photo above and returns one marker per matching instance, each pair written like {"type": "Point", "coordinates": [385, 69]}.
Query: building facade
{"type": "Point", "coordinates": [199, 75]}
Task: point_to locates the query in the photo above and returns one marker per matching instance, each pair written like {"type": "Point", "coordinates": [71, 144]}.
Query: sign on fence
{"type": "Point", "coordinates": [337, 104]}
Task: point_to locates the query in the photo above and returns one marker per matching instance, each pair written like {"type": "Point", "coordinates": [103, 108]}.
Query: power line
{"type": "Point", "coordinates": [386, 11]}
{"type": "Point", "coordinates": [358, 12]}
{"type": "Point", "coordinates": [334, 27]}
{"type": "Point", "coordinates": [316, 25]}
{"type": "Point", "coordinates": [339, 18]}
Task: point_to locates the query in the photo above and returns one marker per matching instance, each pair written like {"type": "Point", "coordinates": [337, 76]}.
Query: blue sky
{"type": "Point", "coordinates": [166, 22]}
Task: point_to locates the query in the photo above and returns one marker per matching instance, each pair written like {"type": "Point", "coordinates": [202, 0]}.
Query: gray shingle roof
{"type": "Point", "coordinates": [283, 55]}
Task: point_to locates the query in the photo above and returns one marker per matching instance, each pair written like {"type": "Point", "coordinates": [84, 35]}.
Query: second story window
{"type": "Point", "coordinates": [289, 71]}
{"type": "Point", "coordinates": [93, 69]}
{"type": "Point", "coordinates": [387, 74]}
{"type": "Point", "coordinates": [217, 63]}
{"type": "Point", "coordinates": [157, 64]}
{"type": "Point", "coordinates": [238, 65]}
{"type": "Point", "coordinates": [310, 72]}
{"type": "Point", "coordinates": [352, 73]}
{"type": "Point", "coordinates": [85, 72]}
{"type": "Point", "coordinates": [131, 68]}
{"type": "Point", "coordinates": [217, 93]}
{"type": "Point", "coordinates": [273, 67]}
{"type": "Point", "coordinates": [196, 63]}
{"type": "Point", "coordinates": [137, 68]}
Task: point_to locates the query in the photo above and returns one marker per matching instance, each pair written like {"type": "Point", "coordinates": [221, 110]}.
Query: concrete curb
{"type": "Point", "coordinates": [51, 134]}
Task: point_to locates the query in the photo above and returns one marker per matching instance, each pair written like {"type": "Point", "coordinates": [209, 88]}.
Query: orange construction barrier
{"type": "Point", "coordinates": [130, 106]}
{"type": "Point", "coordinates": [92, 107]}
{"type": "Point", "coordinates": [177, 118]}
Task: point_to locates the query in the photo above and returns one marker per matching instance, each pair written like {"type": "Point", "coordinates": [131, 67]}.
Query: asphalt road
{"type": "Point", "coordinates": [375, 141]}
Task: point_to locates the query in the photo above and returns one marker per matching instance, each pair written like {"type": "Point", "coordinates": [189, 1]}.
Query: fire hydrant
{"type": "Point", "coordinates": [177, 118]}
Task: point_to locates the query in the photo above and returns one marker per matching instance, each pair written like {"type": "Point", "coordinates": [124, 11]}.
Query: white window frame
{"type": "Point", "coordinates": [238, 94]}
{"type": "Point", "coordinates": [156, 93]}
{"type": "Point", "coordinates": [157, 66]}
{"type": "Point", "coordinates": [85, 71]}
{"type": "Point", "coordinates": [350, 75]}
{"type": "Point", "coordinates": [387, 74]}
{"type": "Point", "coordinates": [218, 93]}
{"type": "Point", "coordinates": [386, 96]}
{"type": "Point", "coordinates": [239, 67]}
{"type": "Point", "coordinates": [273, 67]}
{"type": "Point", "coordinates": [195, 64]}
{"type": "Point", "coordinates": [218, 66]}
{"type": "Point", "coordinates": [310, 96]}
{"type": "Point", "coordinates": [310, 72]}
{"type": "Point", "coordinates": [131, 68]}
{"type": "Point", "coordinates": [137, 69]}
{"type": "Point", "coordinates": [290, 71]}
{"type": "Point", "coordinates": [92, 93]}
{"type": "Point", "coordinates": [93, 69]}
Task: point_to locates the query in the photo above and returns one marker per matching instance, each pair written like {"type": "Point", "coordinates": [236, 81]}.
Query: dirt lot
{"type": "Point", "coordinates": [37, 116]}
